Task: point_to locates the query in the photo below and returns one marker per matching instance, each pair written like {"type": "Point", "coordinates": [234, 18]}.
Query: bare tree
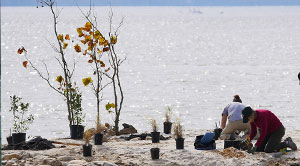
{"type": "Point", "coordinates": [115, 62]}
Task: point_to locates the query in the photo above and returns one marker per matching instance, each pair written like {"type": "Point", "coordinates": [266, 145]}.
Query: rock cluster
{"type": "Point", "coordinates": [37, 143]}
{"type": "Point", "coordinates": [30, 159]}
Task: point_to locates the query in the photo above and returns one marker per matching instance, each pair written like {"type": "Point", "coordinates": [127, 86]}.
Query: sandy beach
{"type": "Point", "coordinates": [137, 152]}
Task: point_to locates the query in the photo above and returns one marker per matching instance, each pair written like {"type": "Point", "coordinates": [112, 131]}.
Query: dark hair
{"type": "Point", "coordinates": [246, 112]}
{"type": "Point", "coordinates": [236, 98]}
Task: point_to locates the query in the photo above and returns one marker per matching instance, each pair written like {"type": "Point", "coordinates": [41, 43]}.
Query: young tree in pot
{"type": "Point", "coordinates": [67, 64]}
{"type": "Point", "coordinates": [99, 45]}
{"type": "Point", "coordinates": [76, 129]}
{"type": "Point", "coordinates": [21, 122]}
{"type": "Point", "coordinates": [87, 147]}
{"type": "Point", "coordinates": [167, 123]}
{"type": "Point", "coordinates": [178, 135]}
{"type": "Point", "coordinates": [154, 134]}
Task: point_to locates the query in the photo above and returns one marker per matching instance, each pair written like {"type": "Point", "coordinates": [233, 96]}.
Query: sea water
{"type": "Point", "coordinates": [191, 58]}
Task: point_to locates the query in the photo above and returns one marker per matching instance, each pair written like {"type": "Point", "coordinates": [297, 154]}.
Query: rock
{"type": "Point", "coordinates": [66, 158]}
{"type": "Point", "coordinates": [77, 163]}
{"type": "Point", "coordinates": [130, 130]}
{"type": "Point", "coordinates": [48, 161]}
{"type": "Point", "coordinates": [10, 156]}
{"type": "Point", "coordinates": [25, 155]}
{"type": "Point", "coordinates": [135, 139]}
{"type": "Point", "coordinates": [125, 125]}
{"type": "Point", "coordinates": [103, 163]}
{"type": "Point", "coordinates": [56, 163]}
{"type": "Point", "coordinates": [37, 143]}
{"type": "Point", "coordinates": [11, 163]}
{"type": "Point", "coordinates": [3, 162]}
{"type": "Point", "coordinates": [110, 133]}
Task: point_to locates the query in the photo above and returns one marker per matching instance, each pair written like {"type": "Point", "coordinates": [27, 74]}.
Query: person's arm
{"type": "Point", "coordinates": [253, 131]}
{"type": "Point", "coordinates": [224, 116]}
{"type": "Point", "coordinates": [224, 119]}
{"type": "Point", "coordinates": [263, 134]}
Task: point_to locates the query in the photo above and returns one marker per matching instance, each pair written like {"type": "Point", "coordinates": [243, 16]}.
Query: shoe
{"type": "Point", "coordinates": [289, 142]}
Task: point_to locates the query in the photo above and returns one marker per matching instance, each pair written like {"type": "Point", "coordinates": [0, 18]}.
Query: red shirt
{"type": "Point", "coordinates": [267, 122]}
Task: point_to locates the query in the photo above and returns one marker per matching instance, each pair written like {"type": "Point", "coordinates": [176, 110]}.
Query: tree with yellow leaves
{"type": "Point", "coordinates": [96, 47]}
{"type": "Point", "coordinates": [67, 87]}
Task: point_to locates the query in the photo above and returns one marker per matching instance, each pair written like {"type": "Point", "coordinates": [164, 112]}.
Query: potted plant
{"type": "Point", "coordinates": [76, 127]}
{"type": "Point", "coordinates": [178, 135]}
{"type": "Point", "coordinates": [154, 134]}
{"type": "Point", "coordinates": [167, 123]}
{"type": "Point", "coordinates": [87, 147]}
{"type": "Point", "coordinates": [9, 138]}
{"type": "Point", "coordinates": [98, 138]}
{"type": "Point", "coordinates": [154, 153]}
{"type": "Point", "coordinates": [21, 120]}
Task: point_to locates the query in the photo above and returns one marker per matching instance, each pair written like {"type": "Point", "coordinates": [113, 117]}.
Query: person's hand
{"type": "Point", "coordinates": [252, 150]}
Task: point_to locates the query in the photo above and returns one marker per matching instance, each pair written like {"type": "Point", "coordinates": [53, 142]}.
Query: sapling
{"type": "Point", "coordinates": [168, 114]}
{"type": "Point", "coordinates": [177, 129]}
{"type": "Point", "coordinates": [19, 110]}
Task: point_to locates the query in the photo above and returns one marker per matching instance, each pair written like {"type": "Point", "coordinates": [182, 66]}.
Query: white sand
{"type": "Point", "coordinates": [137, 152]}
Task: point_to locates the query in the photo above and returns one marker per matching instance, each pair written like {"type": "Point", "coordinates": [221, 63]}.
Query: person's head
{"type": "Point", "coordinates": [248, 115]}
{"type": "Point", "coordinates": [236, 98]}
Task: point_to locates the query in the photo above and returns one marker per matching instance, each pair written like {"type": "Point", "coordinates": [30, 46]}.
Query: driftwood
{"type": "Point", "coordinates": [63, 143]}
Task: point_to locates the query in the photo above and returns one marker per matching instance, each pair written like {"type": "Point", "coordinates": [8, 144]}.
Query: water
{"type": "Point", "coordinates": [193, 58]}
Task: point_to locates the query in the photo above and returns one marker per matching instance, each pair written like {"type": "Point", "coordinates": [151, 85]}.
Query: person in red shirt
{"type": "Point", "coordinates": [271, 128]}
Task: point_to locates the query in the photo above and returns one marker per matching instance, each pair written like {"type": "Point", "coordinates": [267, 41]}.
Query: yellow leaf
{"type": "Point", "coordinates": [99, 51]}
{"type": "Point", "coordinates": [61, 37]}
{"type": "Point", "coordinates": [106, 43]}
{"type": "Point", "coordinates": [77, 48]}
{"type": "Point", "coordinates": [88, 38]}
{"type": "Point", "coordinates": [87, 81]}
{"type": "Point", "coordinates": [97, 35]}
{"type": "Point", "coordinates": [105, 49]}
{"type": "Point", "coordinates": [88, 26]}
{"type": "Point", "coordinates": [101, 41]}
{"type": "Point", "coordinates": [83, 41]}
{"type": "Point", "coordinates": [85, 52]}
{"type": "Point", "coordinates": [108, 106]}
{"type": "Point", "coordinates": [79, 31]}
{"type": "Point", "coordinates": [67, 37]}
{"type": "Point", "coordinates": [113, 40]}
{"type": "Point", "coordinates": [65, 45]}
{"type": "Point", "coordinates": [59, 79]}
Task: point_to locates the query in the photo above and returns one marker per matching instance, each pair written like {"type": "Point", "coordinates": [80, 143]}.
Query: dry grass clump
{"type": "Point", "coordinates": [88, 134]}
{"type": "Point", "coordinates": [177, 129]}
{"type": "Point", "coordinates": [154, 125]}
{"type": "Point", "coordinates": [168, 113]}
{"type": "Point", "coordinates": [231, 153]}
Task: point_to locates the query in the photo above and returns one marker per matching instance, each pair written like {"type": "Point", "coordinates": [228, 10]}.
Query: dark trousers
{"type": "Point", "coordinates": [272, 142]}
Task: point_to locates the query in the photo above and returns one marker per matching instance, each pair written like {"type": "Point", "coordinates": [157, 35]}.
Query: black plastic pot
{"type": "Point", "coordinates": [98, 139]}
{"type": "Point", "coordinates": [87, 150]}
{"type": "Point", "coordinates": [18, 138]}
{"type": "Point", "coordinates": [179, 143]}
{"type": "Point", "coordinates": [154, 153]}
{"type": "Point", "coordinates": [76, 131]}
{"type": "Point", "coordinates": [232, 143]}
{"type": "Point", "coordinates": [167, 127]}
{"type": "Point", "coordinates": [9, 140]}
{"type": "Point", "coordinates": [155, 137]}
